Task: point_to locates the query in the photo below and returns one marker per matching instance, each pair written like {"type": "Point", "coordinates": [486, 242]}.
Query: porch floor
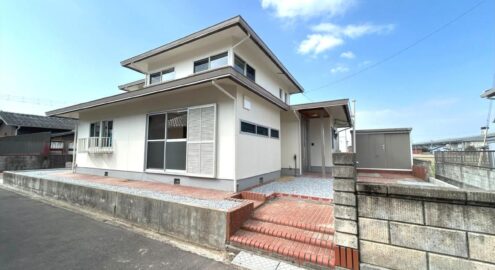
{"type": "Point", "coordinates": [312, 185]}
{"type": "Point", "coordinates": [208, 198]}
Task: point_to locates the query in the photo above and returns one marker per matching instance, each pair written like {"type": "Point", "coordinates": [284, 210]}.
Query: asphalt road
{"type": "Point", "coordinates": [34, 235]}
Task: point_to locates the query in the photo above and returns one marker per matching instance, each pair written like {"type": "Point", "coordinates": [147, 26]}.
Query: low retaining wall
{"type": "Point", "coordinates": [466, 176]}
{"type": "Point", "coordinates": [202, 226]}
{"type": "Point", "coordinates": [409, 227]}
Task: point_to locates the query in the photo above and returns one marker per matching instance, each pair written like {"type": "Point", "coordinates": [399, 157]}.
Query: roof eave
{"type": "Point", "coordinates": [224, 72]}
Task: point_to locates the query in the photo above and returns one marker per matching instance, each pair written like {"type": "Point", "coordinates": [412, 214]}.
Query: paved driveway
{"type": "Point", "coordinates": [34, 235]}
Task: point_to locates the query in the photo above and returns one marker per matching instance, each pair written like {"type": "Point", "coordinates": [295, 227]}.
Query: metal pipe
{"type": "Point", "coordinates": [74, 149]}
{"type": "Point", "coordinates": [323, 169]}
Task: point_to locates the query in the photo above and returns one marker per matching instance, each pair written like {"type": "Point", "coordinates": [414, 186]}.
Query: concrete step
{"type": "Point", "coordinates": [299, 252]}
{"type": "Point", "coordinates": [290, 233]}
{"type": "Point", "coordinates": [287, 221]}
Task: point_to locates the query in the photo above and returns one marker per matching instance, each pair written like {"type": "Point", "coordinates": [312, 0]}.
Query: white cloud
{"type": "Point", "coordinates": [333, 35]}
{"type": "Point", "coordinates": [353, 30]}
{"type": "Point", "coordinates": [348, 55]}
{"type": "Point", "coordinates": [292, 9]}
{"type": "Point", "coordinates": [339, 69]}
{"type": "Point", "coordinates": [317, 43]}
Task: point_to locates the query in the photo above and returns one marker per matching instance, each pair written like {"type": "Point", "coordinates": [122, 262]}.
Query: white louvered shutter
{"type": "Point", "coordinates": [201, 127]}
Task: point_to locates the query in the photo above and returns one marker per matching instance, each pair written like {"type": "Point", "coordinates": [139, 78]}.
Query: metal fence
{"type": "Point", "coordinates": [484, 159]}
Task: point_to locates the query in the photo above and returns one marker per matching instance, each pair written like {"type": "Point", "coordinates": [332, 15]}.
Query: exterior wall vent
{"type": "Point", "coordinates": [261, 180]}
{"type": "Point", "coordinates": [106, 173]}
{"type": "Point", "coordinates": [176, 181]}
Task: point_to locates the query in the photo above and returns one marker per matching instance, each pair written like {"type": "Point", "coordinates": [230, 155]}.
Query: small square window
{"type": "Point", "coordinates": [201, 65]}
{"type": "Point", "coordinates": [261, 130]}
{"type": "Point", "coordinates": [274, 133]}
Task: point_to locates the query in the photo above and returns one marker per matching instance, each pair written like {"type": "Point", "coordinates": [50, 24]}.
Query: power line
{"type": "Point", "coordinates": [399, 52]}
{"type": "Point", "coordinates": [31, 100]}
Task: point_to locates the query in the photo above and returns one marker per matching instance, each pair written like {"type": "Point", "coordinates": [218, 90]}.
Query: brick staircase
{"type": "Point", "coordinates": [290, 229]}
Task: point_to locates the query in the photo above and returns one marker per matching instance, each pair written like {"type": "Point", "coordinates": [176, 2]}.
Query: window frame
{"type": "Point", "coordinates": [208, 59]}
{"type": "Point", "coordinates": [245, 68]}
{"type": "Point", "coordinates": [278, 133]}
{"type": "Point", "coordinates": [255, 129]}
{"type": "Point", "coordinates": [100, 132]}
{"type": "Point", "coordinates": [164, 170]}
{"type": "Point", "coordinates": [161, 72]}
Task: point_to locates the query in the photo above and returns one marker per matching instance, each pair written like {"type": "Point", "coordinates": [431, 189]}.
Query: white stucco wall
{"type": "Point", "coordinates": [315, 138]}
{"type": "Point", "coordinates": [290, 139]}
{"type": "Point", "coordinates": [257, 154]}
{"type": "Point", "coordinates": [129, 129]}
{"type": "Point", "coordinates": [264, 76]}
{"type": "Point", "coordinates": [183, 63]}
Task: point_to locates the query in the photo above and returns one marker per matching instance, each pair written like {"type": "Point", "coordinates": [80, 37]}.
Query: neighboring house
{"type": "Point", "coordinates": [212, 110]}
{"type": "Point", "coordinates": [13, 124]}
{"type": "Point", "coordinates": [468, 143]}
{"type": "Point", "coordinates": [55, 132]}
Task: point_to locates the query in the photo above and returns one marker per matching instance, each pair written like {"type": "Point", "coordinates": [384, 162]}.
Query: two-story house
{"type": "Point", "coordinates": [212, 110]}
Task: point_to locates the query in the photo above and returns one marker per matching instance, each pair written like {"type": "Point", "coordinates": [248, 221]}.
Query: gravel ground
{"type": "Point", "coordinates": [212, 204]}
{"type": "Point", "coordinates": [309, 186]}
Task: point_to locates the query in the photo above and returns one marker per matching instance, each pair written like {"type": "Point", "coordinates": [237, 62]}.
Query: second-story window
{"type": "Point", "coordinates": [162, 76]}
{"type": "Point", "coordinates": [244, 68]}
{"type": "Point", "coordinates": [214, 61]}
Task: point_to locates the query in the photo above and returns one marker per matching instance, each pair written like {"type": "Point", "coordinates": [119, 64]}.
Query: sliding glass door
{"type": "Point", "coordinates": [167, 141]}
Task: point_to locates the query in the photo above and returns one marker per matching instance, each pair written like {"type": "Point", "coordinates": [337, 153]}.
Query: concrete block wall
{"type": "Point", "coordinates": [466, 176]}
{"type": "Point", "coordinates": [345, 211]}
{"type": "Point", "coordinates": [409, 227]}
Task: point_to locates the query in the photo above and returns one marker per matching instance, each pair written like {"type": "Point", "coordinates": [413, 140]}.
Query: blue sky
{"type": "Point", "coordinates": [56, 53]}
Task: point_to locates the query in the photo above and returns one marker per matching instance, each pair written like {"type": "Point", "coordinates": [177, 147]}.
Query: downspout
{"type": "Point", "coordinates": [231, 50]}
{"type": "Point", "coordinates": [213, 82]}
{"type": "Point", "coordinates": [17, 130]}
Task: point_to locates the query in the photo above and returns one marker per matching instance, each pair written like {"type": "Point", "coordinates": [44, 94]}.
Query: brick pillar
{"type": "Point", "coordinates": [345, 210]}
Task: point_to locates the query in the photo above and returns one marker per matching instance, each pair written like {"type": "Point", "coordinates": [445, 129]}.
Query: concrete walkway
{"type": "Point", "coordinates": [305, 185]}
{"type": "Point", "coordinates": [34, 235]}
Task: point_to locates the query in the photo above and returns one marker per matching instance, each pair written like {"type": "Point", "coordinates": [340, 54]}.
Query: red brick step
{"type": "Point", "coordinates": [297, 251]}
{"type": "Point", "coordinates": [322, 228]}
{"type": "Point", "coordinates": [290, 233]}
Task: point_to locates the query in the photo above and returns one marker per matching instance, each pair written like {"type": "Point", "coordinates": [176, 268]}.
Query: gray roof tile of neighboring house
{"type": "Point", "coordinates": [37, 121]}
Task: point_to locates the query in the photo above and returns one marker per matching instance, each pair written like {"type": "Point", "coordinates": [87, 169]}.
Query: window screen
{"type": "Point", "coordinates": [156, 127]}
{"type": "Point", "coordinates": [250, 72]}
{"type": "Point", "coordinates": [248, 127]}
{"type": "Point", "coordinates": [239, 64]}
{"type": "Point", "coordinates": [274, 133]}
{"type": "Point", "coordinates": [262, 131]}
